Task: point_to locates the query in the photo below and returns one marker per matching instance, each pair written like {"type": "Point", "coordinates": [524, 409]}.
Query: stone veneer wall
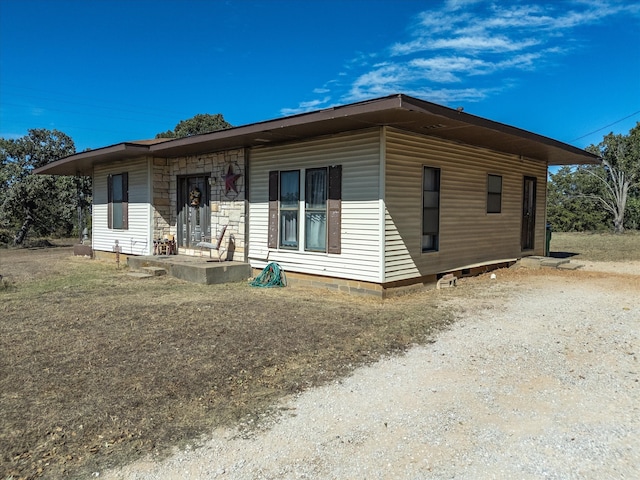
{"type": "Point", "coordinates": [227, 208]}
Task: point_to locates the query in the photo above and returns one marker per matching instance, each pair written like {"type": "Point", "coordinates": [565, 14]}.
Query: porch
{"type": "Point", "coordinates": [194, 269]}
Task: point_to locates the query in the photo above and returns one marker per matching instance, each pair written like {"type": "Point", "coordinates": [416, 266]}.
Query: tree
{"type": "Point", "coordinates": [611, 186]}
{"type": "Point", "coordinates": [619, 174]}
{"type": "Point", "coordinates": [568, 209]}
{"type": "Point", "coordinates": [46, 203]}
{"type": "Point", "coordinates": [200, 123]}
{"type": "Point", "coordinates": [632, 215]}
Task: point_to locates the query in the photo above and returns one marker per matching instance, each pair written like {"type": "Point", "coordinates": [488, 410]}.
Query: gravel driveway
{"type": "Point", "coordinates": [539, 378]}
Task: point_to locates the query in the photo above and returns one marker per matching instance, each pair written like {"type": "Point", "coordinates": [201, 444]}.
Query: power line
{"type": "Point", "coordinates": [606, 126]}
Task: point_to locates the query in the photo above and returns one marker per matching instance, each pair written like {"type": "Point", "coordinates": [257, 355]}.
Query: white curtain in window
{"type": "Point", "coordinates": [316, 209]}
{"type": "Point", "coordinates": [289, 228]}
{"type": "Point", "coordinates": [289, 189]}
{"type": "Point", "coordinates": [316, 231]}
{"type": "Point", "coordinates": [316, 191]}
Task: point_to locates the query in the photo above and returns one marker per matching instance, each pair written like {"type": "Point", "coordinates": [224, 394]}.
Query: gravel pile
{"type": "Point", "coordinates": [539, 378]}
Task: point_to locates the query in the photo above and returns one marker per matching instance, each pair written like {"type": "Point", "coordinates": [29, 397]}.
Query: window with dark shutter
{"type": "Point", "coordinates": [110, 202]}
{"type": "Point", "coordinates": [289, 209]}
{"type": "Point", "coordinates": [334, 207]}
{"type": "Point", "coordinates": [315, 210]}
{"type": "Point", "coordinates": [125, 201]}
{"type": "Point", "coordinates": [118, 199]}
{"type": "Point", "coordinates": [321, 210]}
{"type": "Point", "coordinates": [273, 209]}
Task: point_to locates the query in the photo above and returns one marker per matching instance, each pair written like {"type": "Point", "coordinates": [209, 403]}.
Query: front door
{"type": "Point", "coordinates": [528, 213]}
{"type": "Point", "coordinates": [193, 210]}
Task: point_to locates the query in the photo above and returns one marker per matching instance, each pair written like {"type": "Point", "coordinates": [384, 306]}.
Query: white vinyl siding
{"type": "Point", "coordinates": [359, 155]}
{"type": "Point", "coordinates": [468, 235]}
{"type": "Point", "coordinates": [137, 238]}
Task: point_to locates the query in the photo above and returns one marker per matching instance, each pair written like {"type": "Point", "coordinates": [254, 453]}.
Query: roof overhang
{"type": "Point", "coordinates": [399, 111]}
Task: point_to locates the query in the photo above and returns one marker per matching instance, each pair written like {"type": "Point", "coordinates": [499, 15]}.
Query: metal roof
{"type": "Point", "coordinates": [400, 111]}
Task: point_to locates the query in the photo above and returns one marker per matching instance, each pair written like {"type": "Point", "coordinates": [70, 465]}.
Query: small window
{"type": "Point", "coordinates": [118, 198]}
{"type": "Point", "coordinates": [494, 194]}
{"type": "Point", "coordinates": [430, 209]}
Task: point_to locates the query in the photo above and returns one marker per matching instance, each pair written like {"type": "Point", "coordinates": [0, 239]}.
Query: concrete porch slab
{"type": "Point", "coordinates": [194, 269]}
{"type": "Point", "coordinates": [539, 262]}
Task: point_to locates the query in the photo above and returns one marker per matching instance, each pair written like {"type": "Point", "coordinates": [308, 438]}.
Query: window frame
{"type": "Point", "coordinates": [434, 243]}
{"type": "Point", "coordinates": [118, 218]}
{"type": "Point", "coordinates": [288, 208]}
{"type": "Point", "coordinates": [491, 208]}
{"type": "Point", "coordinates": [315, 210]}
{"type": "Point", "coordinates": [332, 210]}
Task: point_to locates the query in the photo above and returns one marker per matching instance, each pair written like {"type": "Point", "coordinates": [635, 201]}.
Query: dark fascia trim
{"type": "Point", "coordinates": [447, 112]}
{"type": "Point", "coordinates": [395, 101]}
{"type": "Point", "coordinates": [375, 105]}
{"type": "Point", "coordinates": [82, 163]}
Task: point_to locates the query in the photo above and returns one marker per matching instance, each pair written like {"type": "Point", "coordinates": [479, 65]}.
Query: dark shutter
{"type": "Point", "coordinates": [272, 241]}
{"type": "Point", "coordinates": [110, 201]}
{"type": "Point", "coordinates": [334, 206]}
{"type": "Point", "coordinates": [125, 201]}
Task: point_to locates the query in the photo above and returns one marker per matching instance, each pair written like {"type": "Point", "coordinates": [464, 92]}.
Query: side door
{"type": "Point", "coordinates": [527, 237]}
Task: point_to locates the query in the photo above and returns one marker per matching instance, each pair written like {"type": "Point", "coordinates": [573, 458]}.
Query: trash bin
{"type": "Point", "coordinates": [547, 245]}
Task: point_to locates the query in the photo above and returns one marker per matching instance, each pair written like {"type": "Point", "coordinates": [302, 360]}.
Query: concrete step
{"type": "Point", "coordinates": [448, 280]}
{"type": "Point", "coordinates": [547, 262]}
{"type": "Point", "coordinates": [154, 271]}
{"type": "Point", "coordinates": [530, 262]}
{"type": "Point", "coordinates": [140, 275]}
{"type": "Point", "coordinates": [570, 266]}
{"type": "Point", "coordinates": [553, 262]}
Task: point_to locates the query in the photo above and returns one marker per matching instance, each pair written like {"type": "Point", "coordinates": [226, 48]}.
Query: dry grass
{"type": "Point", "coordinates": [602, 247]}
{"type": "Point", "coordinates": [98, 369]}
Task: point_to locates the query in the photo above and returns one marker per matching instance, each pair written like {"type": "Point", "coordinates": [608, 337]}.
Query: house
{"type": "Point", "coordinates": [369, 196]}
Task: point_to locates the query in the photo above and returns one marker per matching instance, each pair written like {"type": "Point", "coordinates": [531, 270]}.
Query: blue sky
{"type": "Point", "coordinates": [110, 71]}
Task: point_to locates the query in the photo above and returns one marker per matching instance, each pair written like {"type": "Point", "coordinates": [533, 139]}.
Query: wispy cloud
{"type": "Point", "coordinates": [471, 44]}
{"type": "Point", "coordinates": [306, 106]}
{"type": "Point", "coordinates": [463, 41]}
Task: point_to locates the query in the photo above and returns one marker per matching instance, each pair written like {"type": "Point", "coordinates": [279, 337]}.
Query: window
{"type": "Point", "coordinates": [289, 206]}
{"type": "Point", "coordinates": [315, 210]}
{"type": "Point", "coordinates": [321, 209]}
{"type": "Point", "coordinates": [494, 194]}
{"type": "Point", "coordinates": [118, 198]}
{"type": "Point", "coordinates": [430, 209]}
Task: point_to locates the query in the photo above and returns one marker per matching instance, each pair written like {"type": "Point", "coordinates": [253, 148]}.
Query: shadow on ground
{"type": "Point", "coordinates": [562, 254]}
